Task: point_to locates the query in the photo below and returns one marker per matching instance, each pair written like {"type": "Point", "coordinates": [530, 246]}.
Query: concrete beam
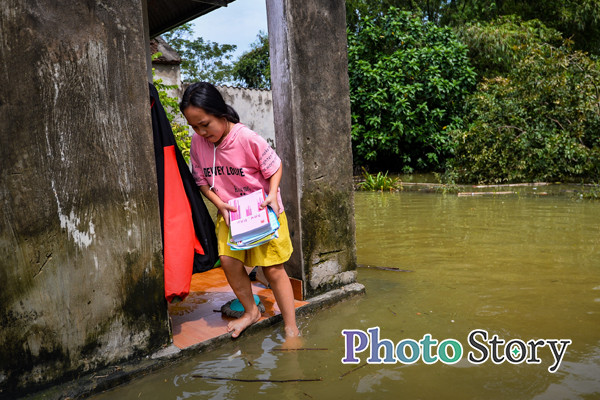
{"type": "Point", "coordinates": [311, 104]}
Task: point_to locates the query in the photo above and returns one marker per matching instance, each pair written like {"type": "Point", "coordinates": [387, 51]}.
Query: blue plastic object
{"type": "Point", "coordinates": [237, 306]}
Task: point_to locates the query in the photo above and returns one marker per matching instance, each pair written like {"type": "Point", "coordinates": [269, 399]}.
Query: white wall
{"type": "Point", "coordinates": [255, 108]}
{"type": "Point", "coordinates": [170, 75]}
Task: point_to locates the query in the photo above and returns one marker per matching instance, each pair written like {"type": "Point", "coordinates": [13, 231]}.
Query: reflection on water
{"type": "Point", "coordinates": [518, 267]}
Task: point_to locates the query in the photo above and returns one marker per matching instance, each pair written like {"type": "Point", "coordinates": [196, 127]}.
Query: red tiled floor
{"type": "Point", "coordinates": [198, 317]}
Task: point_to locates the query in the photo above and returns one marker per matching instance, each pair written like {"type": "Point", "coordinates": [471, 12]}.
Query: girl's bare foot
{"type": "Point", "coordinates": [293, 340]}
{"type": "Point", "coordinates": [292, 331]}
{"type": "Point", "coordinates": [238, 325]}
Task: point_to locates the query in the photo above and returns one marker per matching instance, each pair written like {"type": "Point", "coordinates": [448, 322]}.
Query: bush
{"type": "Point", "coordinates": [495, 47]}
{"type": "Point", "coordinates": [408, 82]}
{"type": "Point", "coordinates": [538, 122]}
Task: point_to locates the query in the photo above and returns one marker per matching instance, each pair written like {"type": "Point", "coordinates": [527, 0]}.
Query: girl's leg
{"type": "Point", "coordinates": [284, 295]}
{"type": "Point", "coordinates": [240, 283]}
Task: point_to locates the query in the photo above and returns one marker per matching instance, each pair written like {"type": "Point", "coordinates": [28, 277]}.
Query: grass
{"type": "Point", "coordinates": [379, 182]}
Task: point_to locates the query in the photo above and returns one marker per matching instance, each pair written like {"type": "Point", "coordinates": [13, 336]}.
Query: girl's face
{"type": "Point", "coordinates": [212, 128]}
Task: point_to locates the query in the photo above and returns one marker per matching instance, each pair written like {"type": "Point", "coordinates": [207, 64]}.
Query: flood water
{"type": "Point", "coordinates": [516, 266]}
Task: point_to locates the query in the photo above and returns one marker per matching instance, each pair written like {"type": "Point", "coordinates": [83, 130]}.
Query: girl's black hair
{"type": "Point", "coordinates": [207, 97]}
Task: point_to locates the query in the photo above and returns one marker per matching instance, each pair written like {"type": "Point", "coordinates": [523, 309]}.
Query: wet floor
{"type": "Point", "coordinates": [520, 267]}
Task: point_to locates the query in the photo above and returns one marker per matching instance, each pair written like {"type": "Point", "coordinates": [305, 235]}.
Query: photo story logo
{"type": "Point", "coordinates": [449, 351]}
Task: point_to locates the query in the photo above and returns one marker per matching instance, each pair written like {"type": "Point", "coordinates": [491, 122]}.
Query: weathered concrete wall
{"type": "Point", "coordinates": [255, 108]}
{"type": "Point", "coordinates": [311, 104]}
{"type": "Point", "coordinates": [81, 282]}
{"type": "Point", "coordinates": [170, 74]}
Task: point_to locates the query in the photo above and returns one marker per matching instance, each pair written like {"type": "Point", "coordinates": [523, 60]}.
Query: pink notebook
{"type": "Point", "coordinates": [249, 220]}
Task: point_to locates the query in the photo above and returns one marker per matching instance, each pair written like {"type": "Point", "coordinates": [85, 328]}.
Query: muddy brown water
{"type": "Point", "coordinates": [519, 267]}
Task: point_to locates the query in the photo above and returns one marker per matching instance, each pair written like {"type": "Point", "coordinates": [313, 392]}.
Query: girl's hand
{"type": "Point", "coordinates": [224, 210]}
{"type": "Point", "coordinates": [271, 201]}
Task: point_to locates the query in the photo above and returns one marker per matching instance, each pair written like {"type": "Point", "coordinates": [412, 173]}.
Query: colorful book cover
{"type": "Point", "coordinates": [259, 239]}
{"type": "Point", "coordinates": [249, 220]}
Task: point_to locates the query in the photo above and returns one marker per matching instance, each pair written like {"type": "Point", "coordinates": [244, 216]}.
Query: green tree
{"type": "Point", "coordinates": [356, 10]}
{"type": "Point", "coordinates": [253, 68]}
{"type": "Point", "coordinates": [575, 19]}
{"type": "Point", "coordinates": [408, 82]}
{"type": "Point", "coordinates": [495, 47]}
{"type": "Point", "coordinates": [201, 60]}
{"type": "Point", "coordinates": [537, 121]}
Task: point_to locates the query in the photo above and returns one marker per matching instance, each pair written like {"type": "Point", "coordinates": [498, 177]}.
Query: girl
{"type": "Point", "coordinates": [229, 160]}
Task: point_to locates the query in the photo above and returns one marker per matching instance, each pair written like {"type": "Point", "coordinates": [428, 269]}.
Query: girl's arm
{"type": "Point", "coordinates": [222, 206]}
{"type": "Point", "coordinates": [271, 199]}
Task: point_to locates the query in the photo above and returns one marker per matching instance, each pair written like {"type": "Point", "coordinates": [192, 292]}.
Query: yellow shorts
{"type": "Point", "coordinates": [275, 252]}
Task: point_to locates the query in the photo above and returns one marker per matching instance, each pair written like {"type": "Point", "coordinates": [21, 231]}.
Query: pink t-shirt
{"type": "Point", "coordinates": [243, 162]}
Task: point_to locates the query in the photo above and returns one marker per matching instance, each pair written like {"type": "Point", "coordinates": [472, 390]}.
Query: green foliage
{"type": "Point", "coordinates": [408, 81]}
{"type": "Point", "coordinates": [593, 193]}
{"type": "Point", "coordinates": [201, 60]}
{"type": "Point", "coordinates": [538, 122]}
{"type": "Point", "coordinates": [356, 10]}
{"type": "Point", "coordinates": [580, 20]}
{"type": "Point", "coordinates": [183, 139]}
{"type": "Point", "coordinates": [380, 182]}
{"type": "Point", "coordinates": [253, 68]}
{"type": "Point", "coordinates": [576, 19]}
{"type": "Point", "coordinates": [448, 182]}
{"type": "Point", "coordinates": [495, 47]}
{"type": "Point", "coordinates": [171, 106]}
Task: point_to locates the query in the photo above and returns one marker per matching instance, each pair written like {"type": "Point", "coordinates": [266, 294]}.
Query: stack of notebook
{"type": "Point", "coordinates": [251, 226]}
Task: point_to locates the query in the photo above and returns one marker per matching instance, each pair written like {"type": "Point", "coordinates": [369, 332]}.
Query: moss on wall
{"type": "Point", "coordinates": [327, 238]}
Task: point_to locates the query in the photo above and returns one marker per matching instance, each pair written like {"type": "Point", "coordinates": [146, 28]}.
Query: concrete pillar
{"type": "Point", "coordinates": [311, 105]}
{"type": "Point", "coordinates": [81, 281]}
